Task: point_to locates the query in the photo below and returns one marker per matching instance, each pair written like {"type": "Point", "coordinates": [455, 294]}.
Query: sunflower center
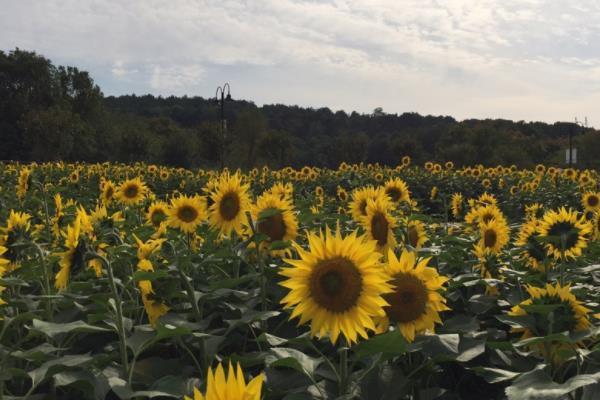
{"type": "Point", "coordinates": [394, 193]}
{"type": "Point", "coordinates": [229, 207]}
{"type": "Point", "coordinates": [409, 300]}
{"type": "Point", "coordinates": [157, 217]}
{"type": "Point", "coordinates": [486, 217]}
{"type": "Point", "coordinates": [109, 192]}
{"type": "Point", "coordinates": [379, 228]}
{"type": "Point", "coordinates": [593, 201]}
{"type": "Point", "coordinates": [363, 207]}
{"type": "Point", "coordinates": [336, 284]}
{"type": "Point", "coordinates": [187, 213]}
{"type": "Point", "coordinates": [490, 238]}
{"type": "Point", "coordinates": [273, 226]}
{"type": "Point", "coordinates": [413, 236]}
{"type": "Point", "coordinates": [131, 191]}
{"type": "Point", "coordinates": [566, 230]}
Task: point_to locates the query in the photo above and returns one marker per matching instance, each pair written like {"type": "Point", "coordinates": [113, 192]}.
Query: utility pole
{"type": "Point", "coordinates": [221, 91]}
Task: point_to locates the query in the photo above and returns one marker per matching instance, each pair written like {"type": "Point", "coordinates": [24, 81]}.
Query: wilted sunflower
{"type": "Point", "coordinates": [565, 233]}
{"type": "Point", "coordinates": [591, 201]}
{"type": "Point", "coordinates": [231, 388]}
{"type": "Point", "coordinates": [416, 300]}
{"type": "Point", "coordinates": [186, 213]}
{"type": "Point", "coordinates": [494, 235]}
{"type": "Point", "coordinates": [416, 236]}
{"type": "Point", "coordinates": [568, 315]}
{"type": "Point", "coordinates": [358, 204]}
{"type": "Point", "coordinates": [379, 223]}
{"type": "Point", "coordinates": [456, 205]}
{"type": "Point", "coordinates": [230, 203]}
{"type": "Point", "coordinates": [131, 192]}
{"type": "Point", "coordinates": [275, 218]}
{"type": "Point", "coordinates": [533, 252]}
{"type": "Point", "coordinates": [337, 285]}
{"type": "Point", "coordinates": [397, 190]}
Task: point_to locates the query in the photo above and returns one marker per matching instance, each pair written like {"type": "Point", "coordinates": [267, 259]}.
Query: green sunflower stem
{"type": "Point", "coordinates": [119, 316]}
{"type": "Point", "coordinates": [343, 370]}
{"type": "Point", "coordinates": [190, 293]}
{"type": "Point", "coordinates": [46, 277]}
{"type": "Point", "coordinates": [261, 266]}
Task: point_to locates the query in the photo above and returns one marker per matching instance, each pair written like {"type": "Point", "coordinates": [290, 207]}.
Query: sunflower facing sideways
{"type": "Point", "coordinates": [230, 201]}
{"type": "Point", "coordinates": [379, 224]}
{"type": "Point", "coordinates": [337, 285]}
{"type": "Point", "coordinates": [232, 387]}
{"type": "Point", "coordinates": [186, 213]}
{"type": "Point", "coordinates": [416, 301]}
{"type": "Point", "coordinates": [416, 236]}
{"type": "Point", "coordinates": [533, 252]}
{"type": "Point", "coordinates": [456, 205]}
{"type": "Point", "coordinates": [274, 217]}
{"type": "Point", "coordinates": [72, 257]}
{"type": "Point", "coordinates": [107, 192]}
{"type": "Point", "coordinates": [568, 315]}
{"type": "Point", "coordinates": [157, 213]}
{"type": "Point", "coordinates": [131, 192]}
{"type": "Point", "coordinates": [566, 233]}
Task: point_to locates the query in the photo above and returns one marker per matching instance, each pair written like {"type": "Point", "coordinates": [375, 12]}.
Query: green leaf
{"type": "Point", "coordinates": [494, 375]}
{"type": "Point", "coordinates": [150, 275]}
{"type": "Point", "coordinates": [292, 358]}
{"type": "Point", "coordinates": [538, 385]}
{"type": "Point", "coordinates": [52, 329]}
{"type": "Point", "coordinates": [390, 343]}
{"type": "Point", "coordinates": [51, 367]}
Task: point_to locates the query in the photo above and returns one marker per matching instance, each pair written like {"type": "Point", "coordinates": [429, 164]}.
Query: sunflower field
{"type": "Point", "coordinates": [366, 282]}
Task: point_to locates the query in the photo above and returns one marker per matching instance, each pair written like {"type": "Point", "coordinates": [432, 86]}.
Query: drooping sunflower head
{"type": "Point", "coordinates": [230, 201]}
{"type": "Point", "coordinates": [275, 218]}
{"type": "Point", "coordinates": [337, 285]}
{"type": "Point", "coordinates": [397, 190]}
{"type": "Point", "coordinates": [565, 233]}
{"type": "Point", "coordinates": [131, 191]}
{"type": "Point", "coordinates": [186, 213]}
{"type": "Point", "coordinates": [567, 314]}
{"type": "Point", "coordinates": [379, 223]}
{"type": "Point", "coordinates": [494, 235]}
{"type": "Point", "coordinates": [591, 201]}
{"type": "Point", "coordinates": [232, 387]}
{"type": "Point", "coordinates": [416, 300]}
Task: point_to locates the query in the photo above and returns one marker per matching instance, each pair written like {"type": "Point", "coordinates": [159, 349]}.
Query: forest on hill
{"type": "Point", "coordinates": [50, 112]}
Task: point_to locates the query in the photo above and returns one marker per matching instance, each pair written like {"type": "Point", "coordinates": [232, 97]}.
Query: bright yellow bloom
{"type": "Point", "coordinates": [234, 387]}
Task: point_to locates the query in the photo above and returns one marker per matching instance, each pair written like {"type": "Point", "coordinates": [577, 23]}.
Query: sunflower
{"type": "Point", "coordinates": [532, 251]}
{"type": "Point", "coordinates": [397, 190]}
{"type": "Point", "coordinates": [157, 213]}
{"type": "Point", "coordinates": [489, 266]}
{"type": "Point", "coordinates": [131, 192]}
{"type": "Point", "coordinates": [494, 235]}
{"type": "Point", "coordinates": [275, 218]}
{"type": "Point", "coordinates": [23, 183]}
{"type": "Point", "coordinates": [433, 193]}
{"type": "Point", "coordinates": [186, 213]}
{"type": "Point", "coordinates": [456, 204]}
{"type": "Point", "coordinates": [533, 210]}
{"type": "Point", "coordinates": [18, 228]}
{"type": "Point", "coordinates": [487, 198]}
{"type": "Point", "coordinates": [337, 285]}
{"type": "Point", "coordinates": [568, 315]}
{"type": "Point", "coordinates": [416, 300]}
{"type": "Point", "coordinates": [565, 233]}
{"type": "Point", "coordinates": [591, 201]}
{"type": "Point", "coordinates": [153, 306]}
{"type": "Point", "coordinates": [230, 201]}
{"type": "Point", "coordinates": [231, 388]}
{"type": "Point", "coordinates": [341, 193]}
{"type": "Point", "coordinates": [416, 236]}
{"type": "Point", "coordinates": [108, 192]}
{"type": "Point", "coordinates": [71, 258]}
{"type": "Point", "coordinates": [379, 224]}
{"type": "Point", "coordinates": [358, 204]}
{"type": "Point", "coordinates": [485, 213]}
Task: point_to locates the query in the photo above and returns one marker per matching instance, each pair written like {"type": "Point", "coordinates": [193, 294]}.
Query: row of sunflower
{"type": "Point", "coordinates": [132, 281]}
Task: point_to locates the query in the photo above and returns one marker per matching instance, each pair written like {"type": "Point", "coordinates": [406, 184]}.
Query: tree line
{"type": "Point", "coordinates": [50, 113]}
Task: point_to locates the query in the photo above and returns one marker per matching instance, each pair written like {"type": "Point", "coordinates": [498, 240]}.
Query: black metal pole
{"type": "Point", "coordinates": [570, 147]}
{"type": "Point", "coordinates": [222, 129]}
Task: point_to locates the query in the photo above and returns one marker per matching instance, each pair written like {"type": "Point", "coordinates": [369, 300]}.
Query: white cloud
{"type": "Point", "coordinates": [530, 59]}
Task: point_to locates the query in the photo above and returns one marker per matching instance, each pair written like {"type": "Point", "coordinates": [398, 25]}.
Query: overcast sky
{"type": "Point", "coordinates": [516, 59]}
